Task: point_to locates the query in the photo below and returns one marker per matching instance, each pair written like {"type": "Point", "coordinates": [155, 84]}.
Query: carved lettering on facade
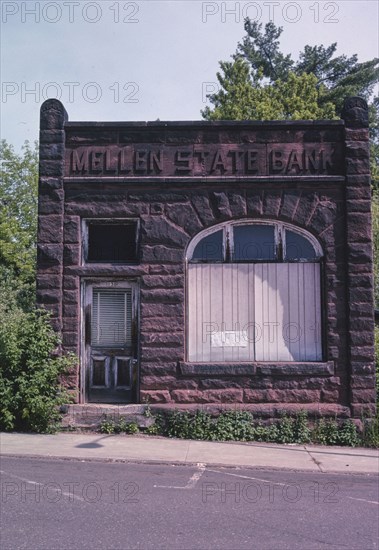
{"type": "Point", "coordinates": [223, 160]}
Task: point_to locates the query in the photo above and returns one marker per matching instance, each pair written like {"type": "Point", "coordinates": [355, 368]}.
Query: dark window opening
{"type": "Point", "coordinates": [254, 242]}
{"type": "Point", "coordinates": [98, 372]}
{"type": "Point", "coordinates": [123, 372]}
{"type": "Point", "coordinates": [116, 243]}
{"type": "Point", "coordinates": [209, 248]}
{"type": "Point", "coordinates": [298, 247]}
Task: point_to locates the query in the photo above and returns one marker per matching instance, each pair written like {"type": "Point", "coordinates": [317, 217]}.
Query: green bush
{"type": "Point", "coordinates": [241, 426]}
{"type": "Point", "coordinates": [107, 426]}
{"type": "Point", "coordinates": [30, 391]}
{"type": "Point", "coordinates": [234, 425]}
{"type": "Point", "coordinates": [377, 362]}
{"type": "Point", "coordinates": [110, 426]}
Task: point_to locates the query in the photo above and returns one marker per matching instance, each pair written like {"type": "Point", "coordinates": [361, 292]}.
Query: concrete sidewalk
{"type": "Point", "coordinates": [158, 449]}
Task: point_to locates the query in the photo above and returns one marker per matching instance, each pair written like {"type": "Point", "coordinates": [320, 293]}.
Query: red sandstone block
{"type": "Point", "coordinates": [47, 297]}
{"type": "Point", "coordinates": [70, 339]}
{"type": "Point", "coordinates": [362, 368]}
{"type": "Point", "coordinates": [362, 353]}
{"type": "Point", "coordinates": [52, 150]}
{"type": "Point", "coordinates": [237, 204]}
{"type": "Point", "coordinates": [357, 205]}
{"type": "Point", "coordinates": [163, 281]}
{"type": "Point", "coordinates": [229, 395]}
{"type": "Point", "coordinates": [48, 282]}
{"type": "Point", "coordinates": [71, 296]}
{"type": "Point", "coordinates": [49, 202]}
{"type": "Point", "coordinates": [289, 204]}
{"type": "Point", "coordinates": [202, 206]}
{"type": "Point", "coordinates": [161, 310]}
{"type": "Point", "coordinates": [225, 383]}
{"type": "Point", "coordinates": [170, 324]}
{"type": "Point", "coordinates": [50, 229]}
{"type": "Point", "coordinates": [185, 384]}
{"type": "Point", "coordinates": [356, 166]}
{"type": "Point", "coordinates": [361, 295]}
{"type": "Point", "coordinates": [71, 254]}
{"type": "Point", "coordinates": [359, 338]}
{"type": "Point", "coordinates": [356, 134]}
{"type": "Point", "coordinates": [160, 253]}
{"type": "Point", "coordinates": [158, 369]}
{"type": "Point", "coordinates": [361, 280]}
{"type": "Point", "coordinates": [366, 325]}
{"type": "Point", "coordinates": [271, 203]}
{"type": "Point", "coordinates": [162, 338]}
{"type": "Point", "coordinates": [329, 396]}
{"type": "Point", "coordinates": [161, 354]}
{"type": "Point", "coordinates": [71, 282]}
{"type": "Point", "coordinates": [355, 193]}
{"type": "Point", "coordinates": [72, 229]}
{"type": "Point", "coordinates": [160, 295]}
{"type": "Point", "coordinates": [159, 230]}
{"type": "Point", "coordinates": [166, 269]}
{"type": "Point", "coordinates": [70, 310]}
{"type": "Point", "coordinates": [363, 382]}
{"type": "Point", "coordinates": [221, 205]}
{"type": "Point", "coordinates": [188, 396]}
{"type": "Point", "coordinates": [294, 396]}
{"type": "Point", "coordinates": [357, 149]}
{"type": "Point", "coordinates": [71, 324]}
{"type": "Point", "coordinates": [363, 395]}
{"type": "Point", "coordinates": [254, 204]}
{"type": "Point", "coordinates": [52, 136]}
{"type": "Point", "coordinates": [256, 396]}
{"type": "Point", "coordinates": [185, 216]}
{"type": "Point", "coordinates": [150, 396]}
{"type": "Point", "coordinates": [52, 168]}
{"type": "Point", "coordinates": [156, 382]}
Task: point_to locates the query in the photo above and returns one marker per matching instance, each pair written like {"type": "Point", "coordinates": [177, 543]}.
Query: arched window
{"type": "Point", "coordinates": [254, 294]}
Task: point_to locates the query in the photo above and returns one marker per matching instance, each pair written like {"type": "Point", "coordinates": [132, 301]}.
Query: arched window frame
{"type": "Point", "coordinates": [279, 235]}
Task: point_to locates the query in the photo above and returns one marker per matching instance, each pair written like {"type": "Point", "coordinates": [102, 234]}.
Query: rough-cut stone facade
{"type": "Point", "coordinates": [173, 205]}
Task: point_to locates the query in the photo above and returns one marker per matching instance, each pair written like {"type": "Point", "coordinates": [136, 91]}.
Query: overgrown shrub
{"type": "Point", "coordinates": [241, 426]}
{"type": "Point", "coordinates": [30, 391]}
{"type": "Point", "coordinates": [377, 362]}
{"type": "Point", "coordinates": [234, 425]}
{"type": "Point", "coordinates": [110, 426]}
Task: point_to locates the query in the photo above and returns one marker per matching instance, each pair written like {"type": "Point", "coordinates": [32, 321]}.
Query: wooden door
{"type": "Point", "coordinates": [111, 342]}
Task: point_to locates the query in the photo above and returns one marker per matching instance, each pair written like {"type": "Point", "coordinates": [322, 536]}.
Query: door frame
{"type": "Point", "coordinates": [86, 285]}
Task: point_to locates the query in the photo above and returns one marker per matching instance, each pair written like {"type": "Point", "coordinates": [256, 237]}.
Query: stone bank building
{"type": "Point", "coordinates": [211, 264]}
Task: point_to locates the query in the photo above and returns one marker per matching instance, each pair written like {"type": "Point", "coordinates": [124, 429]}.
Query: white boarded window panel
{"type": "Point", "coordinates": [111, 318]}
{"type": "Point", "coordinates": [277, 305]}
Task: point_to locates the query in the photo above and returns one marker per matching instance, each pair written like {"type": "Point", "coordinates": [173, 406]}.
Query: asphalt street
{"type": "Point", "coordinates": [78, 504]}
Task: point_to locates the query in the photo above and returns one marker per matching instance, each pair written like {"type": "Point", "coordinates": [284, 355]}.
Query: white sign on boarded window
{"type": "Point", "coordinates": [229, 339]}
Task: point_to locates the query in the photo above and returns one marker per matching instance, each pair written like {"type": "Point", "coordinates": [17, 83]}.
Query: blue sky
{"type": "Point", "coordinates": [148, 59]}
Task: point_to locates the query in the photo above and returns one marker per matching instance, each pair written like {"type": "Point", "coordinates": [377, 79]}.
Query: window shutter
{"type": "Point", "coordinates": [111, 318]}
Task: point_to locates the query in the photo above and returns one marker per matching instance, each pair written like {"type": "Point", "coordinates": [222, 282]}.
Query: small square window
{"type": "Point", "coordinates": [112, 242]}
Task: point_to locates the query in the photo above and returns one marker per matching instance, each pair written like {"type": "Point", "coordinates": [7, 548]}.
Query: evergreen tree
{"type": "Point", "coordinates": [262, 83]}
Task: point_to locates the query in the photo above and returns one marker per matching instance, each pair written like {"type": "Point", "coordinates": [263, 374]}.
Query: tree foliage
{"type": "Point", "coordinates": [30, 392]}
{"type": "Point", "coordinates": [18, 220]}
{"type": "Point", "coordinates": [340, 76]}
{"type": "Point", "coordinates": [262, 83]}
{"type": "Point", "coordinates": [295, 98]}
{"type": "Point", "coordinates": [30, 367]}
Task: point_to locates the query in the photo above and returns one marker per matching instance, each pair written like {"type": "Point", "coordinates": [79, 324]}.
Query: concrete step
{"type": "Point", "coordinates": [90, 415]}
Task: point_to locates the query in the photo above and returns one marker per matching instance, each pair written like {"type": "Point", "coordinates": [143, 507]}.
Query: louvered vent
{"type": "Point", "coordinates": [111, 318]}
